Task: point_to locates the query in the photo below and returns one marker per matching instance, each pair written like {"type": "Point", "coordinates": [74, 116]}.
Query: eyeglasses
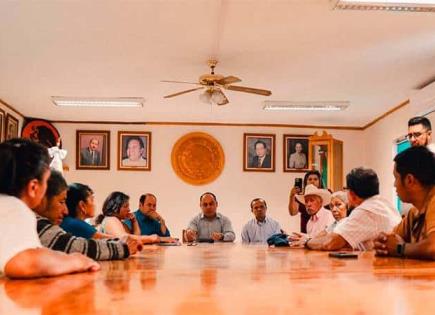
{"type": "Point", "coordinates": [415, 135]}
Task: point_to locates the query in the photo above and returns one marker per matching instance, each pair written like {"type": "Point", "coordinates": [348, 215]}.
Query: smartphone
{"type": "Point", "coordinates": [169, 244]}
{"type": "Point", "coordinates": [343, 255]}
{"type": "Point", "coordinates": [205, 240]}
{"type": "Point", "coordinates": [298, 183]}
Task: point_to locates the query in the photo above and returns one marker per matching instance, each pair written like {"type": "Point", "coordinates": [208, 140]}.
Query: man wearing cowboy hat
{"type": "Point", "coordinates": [314, 200]}
{"type": "Point", "coordinates": [372, 215]}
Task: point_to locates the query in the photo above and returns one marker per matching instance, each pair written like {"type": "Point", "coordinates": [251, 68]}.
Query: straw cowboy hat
{"type": "Point", "coordinates": [313, 190]}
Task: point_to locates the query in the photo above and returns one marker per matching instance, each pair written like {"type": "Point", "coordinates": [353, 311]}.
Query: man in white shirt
{"type": "Point", "coordinates": [315, 199]}
{"type": "Point", "coordinates": [259, 229]}
{"type": "Point", "coordinates": [372, 215]}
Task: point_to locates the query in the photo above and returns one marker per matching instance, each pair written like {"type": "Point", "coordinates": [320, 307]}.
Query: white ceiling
{"type": "Point", "coordinates": [301, 50]}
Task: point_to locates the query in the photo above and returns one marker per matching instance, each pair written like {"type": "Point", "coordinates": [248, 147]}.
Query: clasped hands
{"type": "Point", "coordinates": [192, 236]}
{"type": "Point", "coordinates": [298, 240]}
{"type": "Point", "coordinates": [386, 244]}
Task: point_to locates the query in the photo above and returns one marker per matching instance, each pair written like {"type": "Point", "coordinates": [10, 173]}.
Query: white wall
{"type": "Point", "coordinates": [380, 147]}
{"type": "Point", "coordinates": [178, 201]}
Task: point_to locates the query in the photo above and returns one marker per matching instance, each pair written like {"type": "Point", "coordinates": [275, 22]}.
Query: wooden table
{"type": "Point", "coordinates": [231, 279]}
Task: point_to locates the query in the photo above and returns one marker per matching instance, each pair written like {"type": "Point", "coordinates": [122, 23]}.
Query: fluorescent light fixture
{"type": "Point", "coordinates": [305, 106]}
{"type": "Point", "coordinates": [98, 102]}
{"type": "Point", "coordinates": [388, 5]}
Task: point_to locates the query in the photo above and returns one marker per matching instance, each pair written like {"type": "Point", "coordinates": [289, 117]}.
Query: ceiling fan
{"type": "Point", "coordinates": [214, 84]}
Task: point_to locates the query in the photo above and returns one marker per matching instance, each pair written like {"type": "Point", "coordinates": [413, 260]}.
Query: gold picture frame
{"type": "Point", "coordinates": [134, 151]}
{"type": "Point", "coordinates": [92, 149]}
{"type": "Point", "coordinates": [258, 152]}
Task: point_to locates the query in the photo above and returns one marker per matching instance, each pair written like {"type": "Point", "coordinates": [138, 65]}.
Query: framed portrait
{"type": "Point", "coordinates": [2, 123]}
{"type": "Point", "coordinates": [296, 153]}
{"type": "Point", "coordinates": [258, 152]}
{"type": "Point", "coordinates": [93, 149]}
{"type": "Point", "coordinates": [11, 127]}
{"type": "Point", "coordinates": [41, 131]}
{"type": "Point", "coordinates": [134, 150]}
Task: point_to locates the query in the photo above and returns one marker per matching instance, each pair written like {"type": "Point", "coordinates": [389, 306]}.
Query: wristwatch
{"type": "Point", "coordinates": [306, 242]}
{"type": "Point", "coordinates": [400, 250]}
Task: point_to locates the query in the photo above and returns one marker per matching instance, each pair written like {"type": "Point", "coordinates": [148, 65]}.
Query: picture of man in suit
{"type": "Point", "coordinates": [90, 156]}
{"type": "Point", "coordinates": [262, 157]}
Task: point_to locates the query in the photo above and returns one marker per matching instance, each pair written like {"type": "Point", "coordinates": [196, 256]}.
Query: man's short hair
{"type": "Point", "coordinates": [92, 139]}
{"type": "Point", "coordinates": [208, 193]}
{"type": "Point", "coordinates": [260, 141]}
{"type": "Point", "coordinates": [420, 120]}
{"type": "Point", "coordinates": [138, 139]}
{"type": "Point", "coordinates": [56, 184]}
{"type": "Point", "coordinates": [144, 197]}
{"type": "Point", "coordinates": [258, 199]}
{"type": "Point", "coordinates": [418, 161]}
{"type": "Point", "coordinates": [364, 182]}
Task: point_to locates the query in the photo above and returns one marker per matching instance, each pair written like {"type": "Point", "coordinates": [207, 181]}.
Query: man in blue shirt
{"type": "Point", "coordinates": [150, 221]}
{"type": "Point", "coordinates": [261, 227]}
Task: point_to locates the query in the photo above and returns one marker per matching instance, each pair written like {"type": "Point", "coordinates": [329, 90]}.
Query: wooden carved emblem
{"type": "Point", "coordinates": [197, 158]}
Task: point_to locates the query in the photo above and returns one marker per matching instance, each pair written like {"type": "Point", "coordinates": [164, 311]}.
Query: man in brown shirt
{"type": "Point", "coordinates": [414, 237]}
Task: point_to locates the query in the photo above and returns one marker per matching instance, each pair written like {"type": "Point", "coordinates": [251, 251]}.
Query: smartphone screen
{"type": "Point", "coordinates": [298, 183]}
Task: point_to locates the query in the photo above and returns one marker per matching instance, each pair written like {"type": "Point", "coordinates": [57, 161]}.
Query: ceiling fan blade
{"type": "Point", "coordinates": [248, 90]}
{"type": "Point", "coordinates": [228, 80]}
{"type": "Point", "coordinates": [182, 92]}
{"type": "Point", "coordinates": [422, 85]}
{"type": "Point", "coordinates": [169, 81]}
{"type": "Point", "coordinates": [222, 99]}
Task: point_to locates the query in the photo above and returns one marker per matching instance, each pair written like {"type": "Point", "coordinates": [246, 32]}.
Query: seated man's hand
{"type": "Point", "coordinates": [386, 244]}
{"type": "Point", "coordinates": [168, 239]}
{"type": "Point", "coordinates": [380, 246]}
{"type": "Point", "coordinates": [298, 244]}
{"type": "Point", "coordinates": [217, 236]}
{"type": "Point", "coordinates": [295, 236]}
{"type": "Point", "coordinates": [154, 215]}
{"type": "Point", "coordinates": [191, 235]}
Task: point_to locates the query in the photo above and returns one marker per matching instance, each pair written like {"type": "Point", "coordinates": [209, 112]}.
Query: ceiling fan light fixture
{"type": "Point", "coordinates": [205, 97]}
{"type": "Point", "coordinates": [305, 106]}
{"type": "Point", "coordinates": [218, 98]}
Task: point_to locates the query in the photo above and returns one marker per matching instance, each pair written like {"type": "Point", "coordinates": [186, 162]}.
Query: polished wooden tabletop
{"type": "Point", "coordinates": [231, 279]}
